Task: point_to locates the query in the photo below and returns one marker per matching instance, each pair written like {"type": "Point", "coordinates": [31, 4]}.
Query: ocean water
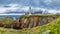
{"type": "Point", "coordinates": [13, 16]}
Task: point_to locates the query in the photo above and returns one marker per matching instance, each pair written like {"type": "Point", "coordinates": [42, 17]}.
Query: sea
{"type": "Point", "coordinates": [14, 15]}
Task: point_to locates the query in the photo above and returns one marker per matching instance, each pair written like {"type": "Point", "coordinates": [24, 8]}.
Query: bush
{"type": "Point", "coordinates": [6, 22]}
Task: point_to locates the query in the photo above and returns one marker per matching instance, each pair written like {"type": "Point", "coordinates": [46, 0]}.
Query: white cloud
{"type": "Point", "coordinates": [2, 9]}
{"type": "Point", "coordinates": [53, 11]}
{"type": "Point", "coordinates": [15, 7]}
{"type": "Point", "coordinates": [51, 2]}
{"type": "Point", "coordinates": [47, 1]}
{"type": "Point", "coordinates": [26, 8]}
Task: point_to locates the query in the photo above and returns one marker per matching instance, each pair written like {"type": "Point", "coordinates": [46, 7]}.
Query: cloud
{"type": "Point", "coordinates": [2, 9]}
{"type": "Point", "coordinates": [47, 1]}
{"type": "Point", "coordinates": [16, 7]}
{"type": "Point", "coordinates": [12, 7]}
{"type": "Point", "coordinates": [20, 8]}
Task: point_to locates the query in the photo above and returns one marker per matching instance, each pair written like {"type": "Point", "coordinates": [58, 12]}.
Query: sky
{"type": "Point", "coordinates": [53, 6]}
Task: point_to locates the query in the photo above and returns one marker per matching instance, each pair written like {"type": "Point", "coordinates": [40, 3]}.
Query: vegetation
{"type": "Point", "coordinates": [6, 20]}
{"type": "Point", "coordinates": [54, 28]}
{"type": "Point", "coordinates": [42, 15]}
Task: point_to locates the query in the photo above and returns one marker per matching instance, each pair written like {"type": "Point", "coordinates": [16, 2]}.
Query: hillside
{"type": "Point", "coordinates": [53, 26]}
{"type": "Point", "coordinates": [29, 21]}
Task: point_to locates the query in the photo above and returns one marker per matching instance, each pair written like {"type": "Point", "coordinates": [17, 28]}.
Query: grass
{"type": "Point", "coordinates": [41, 15]}
{"type": "Point", "coordinates": [53, 26]}
{"type": "Point", "coordinates": [6, 20]}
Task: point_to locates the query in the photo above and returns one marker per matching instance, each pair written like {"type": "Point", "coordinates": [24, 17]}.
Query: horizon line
{"type": "Point", "coordinates": [12, 14]}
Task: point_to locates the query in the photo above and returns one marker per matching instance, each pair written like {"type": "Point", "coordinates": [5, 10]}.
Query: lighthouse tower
{"type": "Point", "coordinates": [29, 10]}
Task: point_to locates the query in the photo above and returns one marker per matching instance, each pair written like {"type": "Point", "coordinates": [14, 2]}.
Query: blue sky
{"type": "Point", "coordinates": [52, 6]}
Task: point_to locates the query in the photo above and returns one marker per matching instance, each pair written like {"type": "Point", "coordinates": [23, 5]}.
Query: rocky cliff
{"type": "Point", "coordinates": [27, 21]}
{"type": "Point", "coordinates": [35, 20]}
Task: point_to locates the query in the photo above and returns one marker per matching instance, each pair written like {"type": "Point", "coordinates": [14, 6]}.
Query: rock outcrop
{"type": "Point", "coordinates": [27, 21]}
{"type": "Point", "coordinates": [33, 21]}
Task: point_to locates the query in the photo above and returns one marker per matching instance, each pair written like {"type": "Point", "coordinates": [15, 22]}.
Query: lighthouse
{"type": "Point", "coordinates": [29, 10]}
